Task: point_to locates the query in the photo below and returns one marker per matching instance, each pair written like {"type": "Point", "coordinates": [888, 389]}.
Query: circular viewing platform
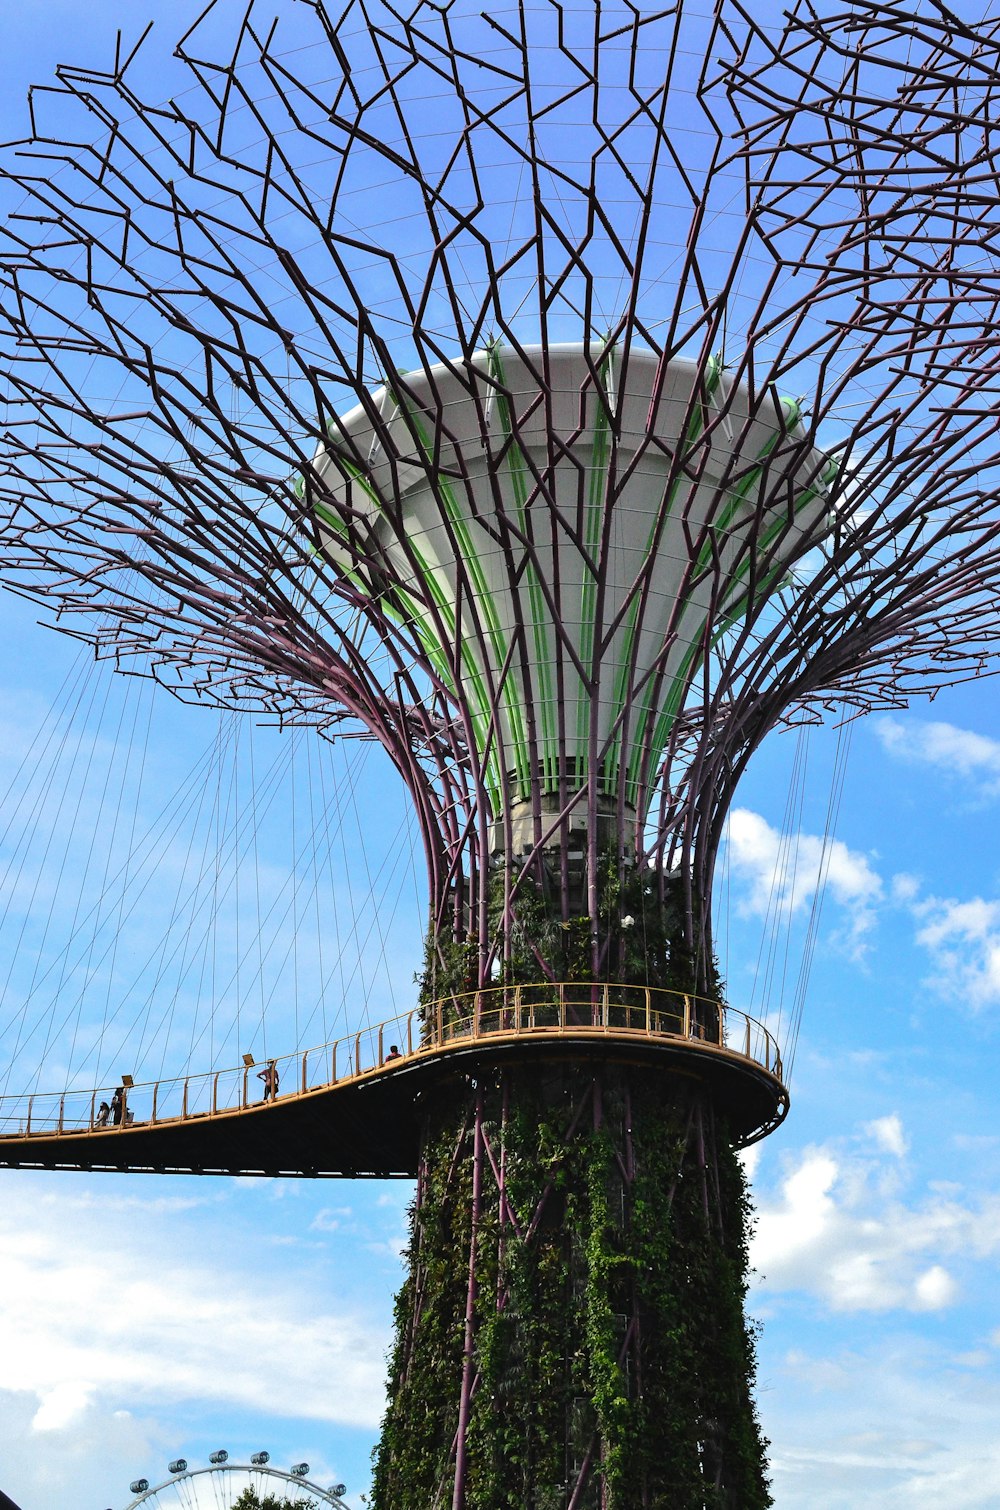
{"type": "Point", "coordinates": [352, 1107]}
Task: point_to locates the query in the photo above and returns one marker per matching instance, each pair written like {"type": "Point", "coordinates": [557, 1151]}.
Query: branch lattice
{"type": "Point", "coordinates": [387, 207]}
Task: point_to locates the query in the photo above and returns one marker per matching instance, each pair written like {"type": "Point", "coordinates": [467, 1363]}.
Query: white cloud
{"type": "Point", "coordinates": [963, 939]}
{"type": "Point", "coordinates": [780, 873]}
{"type": "Point", "coordinates": [935, 1288]}
{"type": "Point", "coordinates": [839, 1228]}
{"type": "Point", "coordinates": [144, 1307]}
{"type": "Point", "coordinates": [896, 1426]}
{"type": "Point", "coordinates": [944, 747]}
{"type": "Point", "coordinates": [888, 1134]}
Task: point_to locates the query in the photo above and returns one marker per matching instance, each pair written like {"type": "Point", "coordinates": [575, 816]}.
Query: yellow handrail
{"type": "Point", "coordinates": [531, 1008]}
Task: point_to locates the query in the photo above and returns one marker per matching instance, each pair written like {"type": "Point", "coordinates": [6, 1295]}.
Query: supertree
{"type": "Point", "coordinates": [565, 399]}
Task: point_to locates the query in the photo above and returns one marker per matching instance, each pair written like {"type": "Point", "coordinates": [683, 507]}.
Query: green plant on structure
{"type": "Point", "coordinates": [616, 1331]}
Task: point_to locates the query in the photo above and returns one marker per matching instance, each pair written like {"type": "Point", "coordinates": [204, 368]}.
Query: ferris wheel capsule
{"type": "Point", "coordinates": [177, 1466]}
{"type": "Point", "coordinates": [224, 1485]}
{"type": "Point", "coordinates": [222, 1456]}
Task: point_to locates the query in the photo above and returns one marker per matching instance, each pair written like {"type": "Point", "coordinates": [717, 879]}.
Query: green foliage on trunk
{"type": "Point", "coordinates": [614, 1335]}
{"type": "Point", "coordinates": [637, 936]}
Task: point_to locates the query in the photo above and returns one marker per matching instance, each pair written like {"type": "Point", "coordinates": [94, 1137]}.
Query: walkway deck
{"type": "Point", "coordinates": [349, 1109]}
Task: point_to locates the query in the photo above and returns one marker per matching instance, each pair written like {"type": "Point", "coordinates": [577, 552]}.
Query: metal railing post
{"type": "Point", "coordinates": [649, 1012]}
{"type": "Point", "coordinates": [746, 1049]}
{"type": "Point", "coordinates": [305, 1056]}
{"type": "Point", "coordinates": [215, 1092]}
{"type": "Point", "coordinates": [409, 1034]}
{"type": "Point", "coordinates": [93, 1104]}
{"type": "Point", "coordinates": [381, 1045]}
{"type": "Point", "coordinates": [184, 1100]}
{"type": "Point", "coordinates": [31, 1102]}
{"type": "Point", "coordinates": [687, 1017]}
{"type": "Point", "coordinates": [62, 1108]}
{"type": "Point", "coordinates": [156, 1092]}
{"type": "Point", "coordinates": [333, 1064]}
{"type": "Point", "coordinates": [357, 1055]}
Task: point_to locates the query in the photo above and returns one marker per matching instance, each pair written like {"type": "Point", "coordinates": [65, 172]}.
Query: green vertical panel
{"type": "Point", "coordinates": [593, 522]}
{"type": "Point", "coordinates": [546, 720]}
{"type": "Point", "coordinates": [713, 374]}
{"type": "Point", "coordinates": [494, 632]}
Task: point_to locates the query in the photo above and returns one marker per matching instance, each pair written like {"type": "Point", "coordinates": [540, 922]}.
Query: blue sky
{"type": "Point", "coordinates": [144, 1318]}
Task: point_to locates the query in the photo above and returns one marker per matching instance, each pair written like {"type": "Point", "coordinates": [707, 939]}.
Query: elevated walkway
{"type": "Point", "coordinates": [352, 1107]}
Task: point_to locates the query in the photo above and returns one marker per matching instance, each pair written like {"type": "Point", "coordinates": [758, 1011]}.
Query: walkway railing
{"type": "Point", "coordinates": [526, 1011]}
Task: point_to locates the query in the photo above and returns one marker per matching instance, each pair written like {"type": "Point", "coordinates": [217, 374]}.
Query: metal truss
{"type": "Point", "coordinates": [205, 270]}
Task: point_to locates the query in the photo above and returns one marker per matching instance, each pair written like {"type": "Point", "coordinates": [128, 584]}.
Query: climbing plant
{"type": "Point", "coordinates": [637, 937]}
{"type": "Point", "coordinates": [609, 1346]}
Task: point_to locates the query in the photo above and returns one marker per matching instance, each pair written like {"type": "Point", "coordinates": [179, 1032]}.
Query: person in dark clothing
{"type": "Point", "coordinates": [269, 1075]}
{"type": "Point", "coordinates": [118, 1106]}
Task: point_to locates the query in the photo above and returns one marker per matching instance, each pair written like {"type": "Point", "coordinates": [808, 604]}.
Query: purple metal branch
{"type": "Point", "coordinates": [468, 1358]}
{"type": "Point", "coordinates": [197, 530]}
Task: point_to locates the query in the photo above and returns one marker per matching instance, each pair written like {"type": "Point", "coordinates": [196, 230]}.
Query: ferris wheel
{"type": "Point", "coordinates": [221, 1484]}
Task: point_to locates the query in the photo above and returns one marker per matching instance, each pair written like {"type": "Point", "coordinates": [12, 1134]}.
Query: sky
{"type": "Point", "coordinates": [143, 1318]}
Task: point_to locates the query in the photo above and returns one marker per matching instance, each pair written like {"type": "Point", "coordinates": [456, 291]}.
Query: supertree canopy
{"type": "Point", "coordinates": [564, 398]}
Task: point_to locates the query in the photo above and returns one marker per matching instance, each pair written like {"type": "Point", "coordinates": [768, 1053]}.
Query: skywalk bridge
{"type": "Point", "coordinates": [353, 1107]}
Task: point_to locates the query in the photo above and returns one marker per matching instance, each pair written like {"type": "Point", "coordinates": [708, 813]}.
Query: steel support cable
{"type": "Point", "coordinates": [56, 820]}
{"type": "Point", "coordinates": [110, 846]}
{"type": "Point", "coordinates": [376, 923]}
{"type": "Point", "coordinates": [785, 901]}
{"type": "Point", "coordinates": [320, 832]}
{"type": "Point", "coordinates": [39, 758]}
{"type": "Point", "coordinates": [257, 932]}
{"type": "Point", "coordinates": [198, 947]}
{"type": "Point", "coordinates": [35, 761]}
{"type": "Point", "coordinates": [780, 901]}
{"type": "Point", "coordinates": [844, 738]}
{"type": "Point", "coordinates": [272, 916]}
{"type": "Point", "coordinates": [818, 897]}
{"type": "Point", "coordinates": [799, 819]}
{"type": "Point", "coordinates": [129, 890]}
{"type": "Point", "coordinates": [230, 830]}
{"type": "Point", "coordinates": [165, 817]}
{"type": "Point", "coordinates": [296, 886]}
{"type": "Point", "coordinates": [40, 746]}
{"type": "Point", "coordinates": [198, 790]}
{"type": "Point", "coordinates": [277, 919]}
{"type": "Point", "coordinates": [776, 886]}
{"type": "Point", "coordinates": [163, 954]}
{"type": "Point", "coordinates": [328, 807]}
{"type": "Point", "coordinates": [320, 1002]}
{"type": "Point", "coordinates": [375, 926]}
{"type": "Point", "coordinates": [337, 811]}
{"type": "Point", "coordinates": [209, 875]}
{"type": "Point", "coordinates": [116, 934]}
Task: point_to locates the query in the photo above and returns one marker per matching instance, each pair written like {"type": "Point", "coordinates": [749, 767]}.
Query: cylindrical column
{"type": "Point", "coordinates": [572, 1333]}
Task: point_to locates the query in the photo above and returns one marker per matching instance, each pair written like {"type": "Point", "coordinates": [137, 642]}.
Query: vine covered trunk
{"type": "Point", "coordinates": [571, 1334]}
